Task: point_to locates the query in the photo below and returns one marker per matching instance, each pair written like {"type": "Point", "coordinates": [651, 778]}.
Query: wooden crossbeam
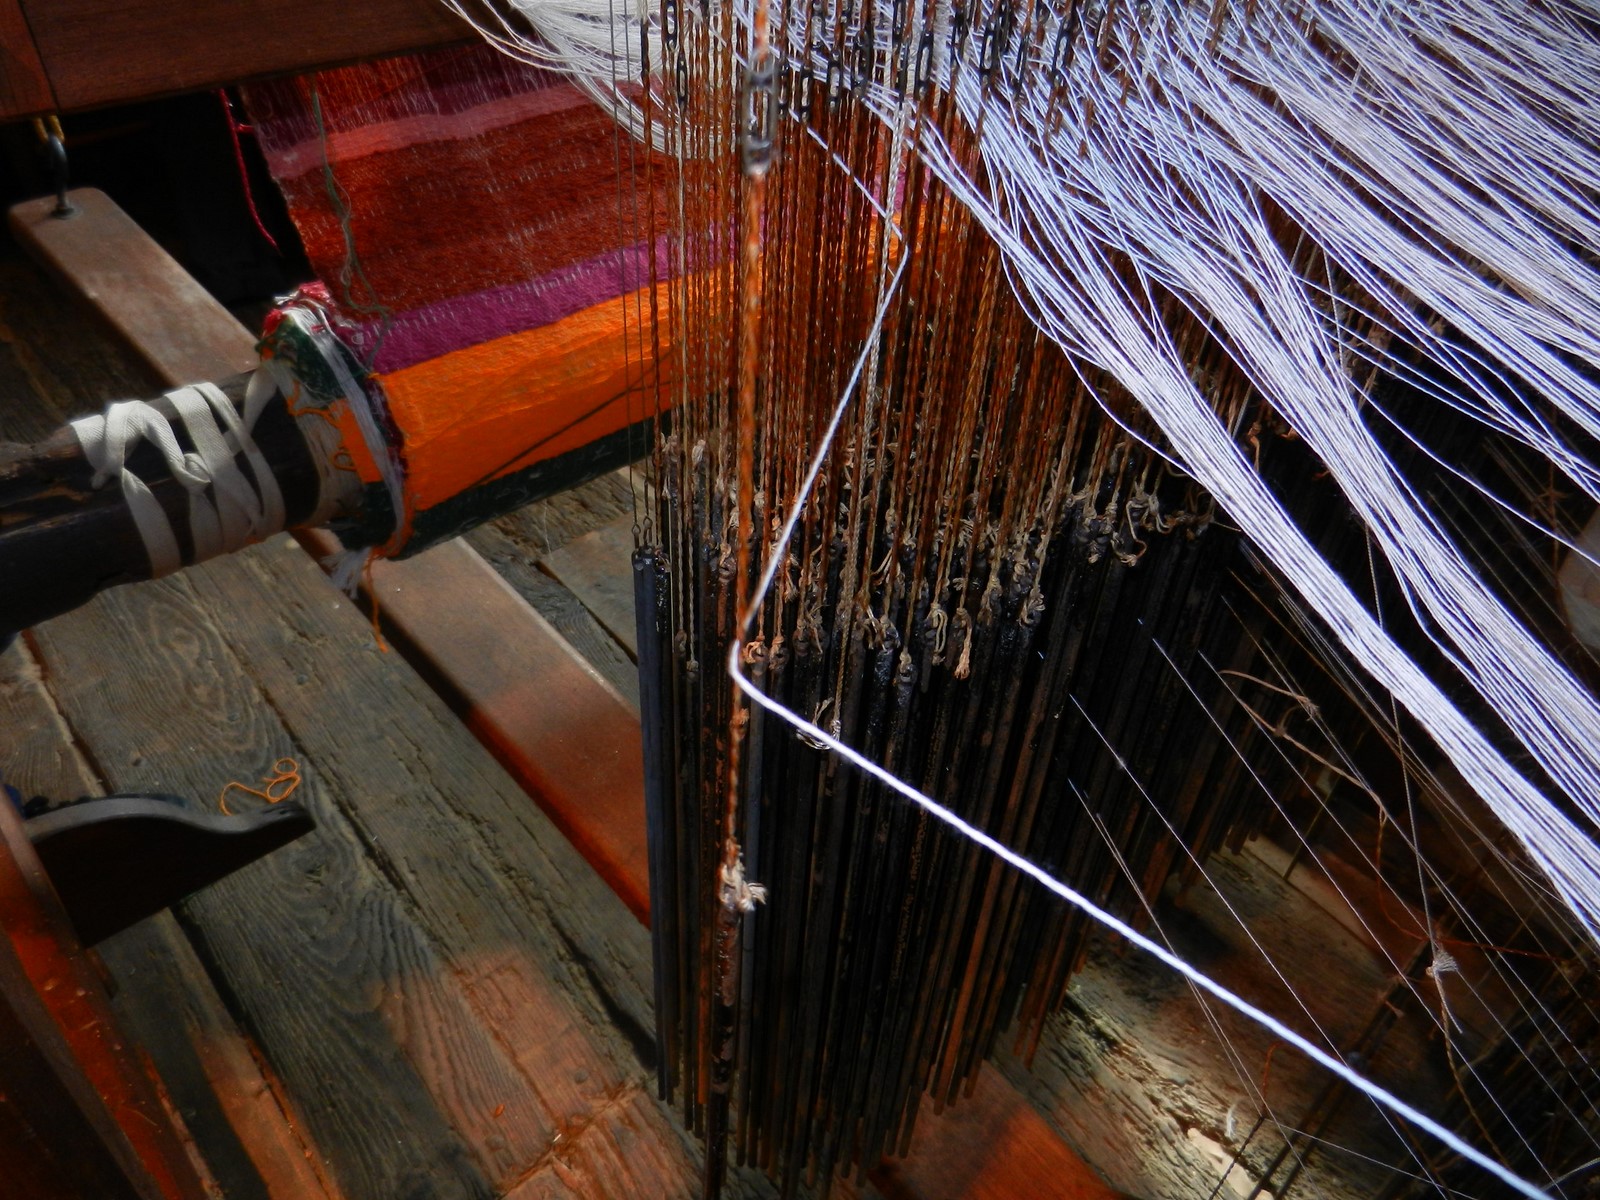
{"type": "Point", "coordinates": [569, 738]}
{"type": "Point", "coordinates": [53, 53]}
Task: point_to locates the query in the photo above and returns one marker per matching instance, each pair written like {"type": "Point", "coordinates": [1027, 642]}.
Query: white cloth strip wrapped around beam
{"type": "Point", "coordinates": [228, 507]}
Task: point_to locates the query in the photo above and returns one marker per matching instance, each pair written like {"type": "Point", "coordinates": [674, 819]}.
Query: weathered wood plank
{"type": "Point", "coordinates": [992, 1146]}
{"type": "Point", "coordinates": [240, 1118]}
{"type": "Point", "coordinates": [561, 608]}
{"type": "Point", "coordinates": [597, 569]}
{"type": "Point", "coordinates": [52, 363]}
{"type": "Point", "coordinates": [149, 301]}
{"type": "Point", "coordinates": [627, 1139]}
{"type": "Point", "coordinates": [46, 377]}
{"type": "Point", "coordinates": [548, 954]}
{"type": "Point", "coordinates": [537, 529]}
{"type": "Point", "coordinates": [549, 717]}
{"type": "Point", "coordinates": [323, 959]}
{"type": "Point", "coordinates": [99, 52]}
{"type": "Point", "coordinates": [539, 962]}
{"type": "Point", "coordinates": [24, 87]}
{"type": "Point", "coordinates": [38, 758]}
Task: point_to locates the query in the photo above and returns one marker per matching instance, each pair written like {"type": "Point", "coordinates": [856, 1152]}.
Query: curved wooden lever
{"type": "Point", "coordinates": [118, 860]}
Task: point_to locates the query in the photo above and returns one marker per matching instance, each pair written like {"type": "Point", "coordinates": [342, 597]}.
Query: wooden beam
{"type": "Point", "coordinates": [556, 726]}
{"type": "Point", "coordinates": [24, 87]}
{"type": "Point", "coordinates": [573, 742]}
{"type": "Point", "coordinates": [136, 287]}
{"type": "Point", "coordinates": [57, 1142]}
{"type": "Point", "coordinates": [99, 52]}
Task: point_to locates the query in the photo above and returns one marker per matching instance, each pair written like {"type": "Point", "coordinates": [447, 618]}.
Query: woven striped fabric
{"type": "Point", "coordinates": [465, 214]}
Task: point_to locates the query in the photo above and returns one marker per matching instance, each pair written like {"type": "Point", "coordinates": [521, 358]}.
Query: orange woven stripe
{"type": "Point", "coordinates": [476, 414]}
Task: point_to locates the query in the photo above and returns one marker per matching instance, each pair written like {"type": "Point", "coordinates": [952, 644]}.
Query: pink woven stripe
{"type": "Point", "coordinates": [470, 320]}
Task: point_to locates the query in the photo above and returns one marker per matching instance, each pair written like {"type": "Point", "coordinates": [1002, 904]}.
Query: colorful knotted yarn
{"type": "Point", "coordinates": [484, 272]}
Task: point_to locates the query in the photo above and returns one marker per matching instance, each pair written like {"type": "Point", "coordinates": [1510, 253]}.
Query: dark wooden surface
{"type": "Point", "coordinates": [293, 676]}
{"type": "Point", "coordinates": [549, 717]}
{"type": "Point", "coordinates": [23, 85]}
{"type": "Point", "coordinates": [98, 52]}
{"type": "Point", "coordinates": [166, 1002]}
{"type": "Point", "coordinates": [597, 568]}
{"type": "Point", "coordinates": [521, 546]}
{"type": "Point", "coordinates": [444, 999]}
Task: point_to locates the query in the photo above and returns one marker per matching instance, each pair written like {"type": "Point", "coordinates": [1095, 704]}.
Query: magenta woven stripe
{"type": "Point", "coordinates": [460, 321]}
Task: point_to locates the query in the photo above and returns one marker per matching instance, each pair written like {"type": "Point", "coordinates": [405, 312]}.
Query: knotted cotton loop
{"type": "Point", "coordinates": [228, 508]}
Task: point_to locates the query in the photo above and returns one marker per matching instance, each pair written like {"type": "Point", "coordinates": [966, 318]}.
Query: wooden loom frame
{"type": "Point", "coordinates": [497, 662]}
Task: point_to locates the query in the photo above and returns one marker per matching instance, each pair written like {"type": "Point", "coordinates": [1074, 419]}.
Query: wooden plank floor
{"type": "Point", "coordinates": [432, 996]}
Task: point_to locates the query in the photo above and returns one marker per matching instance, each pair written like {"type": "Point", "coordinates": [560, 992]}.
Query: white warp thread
{"type": "Point", "coordinates": [227, 508]}
{"type": "Point", "coordinates": [822, 738]}
{"type": "Point", "coordinates": [1442, 155]}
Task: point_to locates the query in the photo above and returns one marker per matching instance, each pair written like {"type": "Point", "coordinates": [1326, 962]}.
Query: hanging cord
{"type": "Point", "coordinates": [235, 128]}
{"type": "Point", "coordinates": [227, 508]}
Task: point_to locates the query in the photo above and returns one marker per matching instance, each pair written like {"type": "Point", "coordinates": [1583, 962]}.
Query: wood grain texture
{"type": "Point", "coordinates": [39, 758]}
{"type": "Point", "coordinates": [992, 1146]}
{"type": "Point", "coordinates": [627, 1139]}
{"type": "Point", "coordinates": [548, 955]}
{"type": "Point", "coordinates": [537, 529]}
{"type": "Point", "coordinates": [597, 569]}
{"type": "Point", "coordinates": [518, 544]}
{"type": "Point", "coordinates": [548, 717]}
{"type": "Point", "coordinates": [550, 975]}
{"type": "Point", "coordinates": [98, 52]}
{"type": "Point", "coordinates": [55, 364]}
{"type": "Point", "coordinates": [149, 301]}
{"type": "Point", "coordinates": [565, 612]}
{"type": "Point", "coordinates": [327, 967]}
{"type": "Point", "coordinates": [24, 87]}
{"type": "Point", "coordinates": [241, 1119]}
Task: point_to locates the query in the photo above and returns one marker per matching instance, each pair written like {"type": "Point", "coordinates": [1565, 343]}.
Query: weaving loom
{"type": "Point", "coordinates": [1131, 430]}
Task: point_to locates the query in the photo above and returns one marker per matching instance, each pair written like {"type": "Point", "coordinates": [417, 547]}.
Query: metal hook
{"type": "Point", "coordinates": [55, 149]}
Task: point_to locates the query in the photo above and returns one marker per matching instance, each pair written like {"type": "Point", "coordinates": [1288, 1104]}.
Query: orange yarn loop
{"type": "Point", "coordinates": [278, 786]}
